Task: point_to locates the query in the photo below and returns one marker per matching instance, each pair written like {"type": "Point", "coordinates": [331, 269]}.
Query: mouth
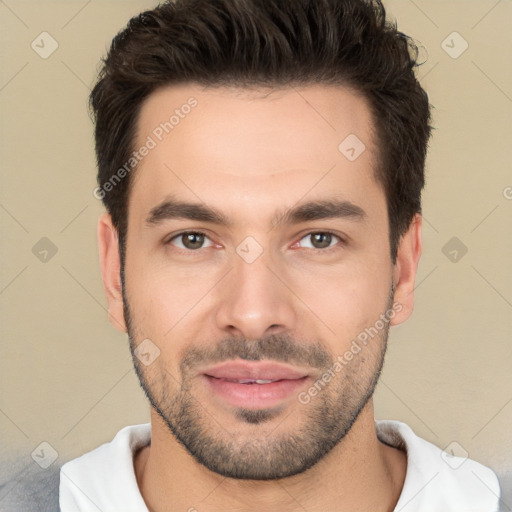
{"type": "Point", "coordinates": [254, 385]}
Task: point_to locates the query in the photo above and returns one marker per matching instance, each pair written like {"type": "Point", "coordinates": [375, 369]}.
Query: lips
{"type": "Point", "coordinates": [246, 372]}
{"type": "Point", "coordinates": [254, 385]}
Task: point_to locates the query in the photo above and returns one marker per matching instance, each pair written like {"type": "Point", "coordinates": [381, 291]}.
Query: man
{"type": "Point", "coordinates": [262, 164]}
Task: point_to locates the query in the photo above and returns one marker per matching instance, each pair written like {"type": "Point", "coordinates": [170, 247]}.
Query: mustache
{"type": "Point", "coordinates": [277, 347]}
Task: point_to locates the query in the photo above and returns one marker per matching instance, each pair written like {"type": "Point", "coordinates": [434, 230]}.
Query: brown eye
{"type": "Point", "coordinates": [191, 240]}
{"type": "Point", "coordinates": [319, 240]}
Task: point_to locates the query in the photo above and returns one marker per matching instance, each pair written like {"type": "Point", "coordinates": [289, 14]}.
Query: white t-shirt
{"type": "Point", "coordinates": [104, 479]}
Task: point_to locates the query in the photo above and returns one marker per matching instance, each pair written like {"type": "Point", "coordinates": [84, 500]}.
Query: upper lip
{"type": "Point", "coordinates": [260, 370]}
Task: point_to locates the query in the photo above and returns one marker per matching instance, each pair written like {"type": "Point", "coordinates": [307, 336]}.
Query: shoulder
{"type": "Point", "coordinates": [436, 479]}
{"type": "Point", "coordinates": [105, 477]}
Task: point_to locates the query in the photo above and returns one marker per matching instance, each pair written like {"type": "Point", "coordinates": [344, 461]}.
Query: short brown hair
{"type": "Point", "coordinates": [276, 43]}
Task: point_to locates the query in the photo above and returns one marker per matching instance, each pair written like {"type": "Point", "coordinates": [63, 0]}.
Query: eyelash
{"type": "Point", "coordinates": [199, 232]}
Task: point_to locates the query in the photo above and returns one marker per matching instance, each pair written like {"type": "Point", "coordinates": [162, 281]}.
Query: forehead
{"type": "Point", "coordinates": [233, 146]}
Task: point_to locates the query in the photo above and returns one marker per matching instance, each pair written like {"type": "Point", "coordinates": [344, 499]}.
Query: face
{"type": "Point", "coordinates": [257, 256]}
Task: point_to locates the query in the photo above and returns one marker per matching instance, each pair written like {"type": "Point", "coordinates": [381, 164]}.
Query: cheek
{"type": "Point", "coordinates": [348, 298]}
{"type": "Point", "coordinates": [166, 300]}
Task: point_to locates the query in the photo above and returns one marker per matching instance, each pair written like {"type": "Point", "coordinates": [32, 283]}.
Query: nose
{"type": "Point", "coordinates": [255, 300]}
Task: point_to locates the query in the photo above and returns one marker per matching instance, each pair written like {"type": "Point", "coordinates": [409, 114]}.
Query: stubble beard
{"type": "Point", "coordinates": [238, 451]}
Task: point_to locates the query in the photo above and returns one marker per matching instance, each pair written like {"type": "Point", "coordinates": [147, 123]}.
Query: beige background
{"type": "Point", "coordinates": [66, 374]}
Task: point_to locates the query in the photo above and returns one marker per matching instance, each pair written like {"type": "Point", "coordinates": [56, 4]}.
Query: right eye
{"type": "Point", "coordinates": [190, 240]}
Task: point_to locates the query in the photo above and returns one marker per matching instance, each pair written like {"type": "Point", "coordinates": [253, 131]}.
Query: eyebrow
{"type": "Point", "coordinates": [304, 212]}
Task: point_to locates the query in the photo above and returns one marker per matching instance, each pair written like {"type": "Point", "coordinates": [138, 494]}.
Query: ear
{"type": "Point", "coordinates": [110, 262]}
{"type": "Point", "coordinates": [404, 272]}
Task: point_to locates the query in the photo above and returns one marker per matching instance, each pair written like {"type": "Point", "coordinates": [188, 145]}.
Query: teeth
{"type": "Point", "coordinates": [251, 381]}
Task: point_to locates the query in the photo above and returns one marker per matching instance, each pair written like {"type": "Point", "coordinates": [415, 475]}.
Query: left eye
{"type": "Point", "coordinates": [320, 240]}
{"type": "Point", "coordinates": [191, 240]}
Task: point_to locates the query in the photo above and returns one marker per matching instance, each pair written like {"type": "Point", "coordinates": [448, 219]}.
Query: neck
{"type": "Point", "coordinates": [360, 473]}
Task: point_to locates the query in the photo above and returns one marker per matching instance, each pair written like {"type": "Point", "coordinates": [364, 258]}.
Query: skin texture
{"type": "Point", "coordinates": [252, 155]}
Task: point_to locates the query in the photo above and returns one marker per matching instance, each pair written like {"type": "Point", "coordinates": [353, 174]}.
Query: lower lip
{"type": "Point", "coordinates": [254, 396]}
